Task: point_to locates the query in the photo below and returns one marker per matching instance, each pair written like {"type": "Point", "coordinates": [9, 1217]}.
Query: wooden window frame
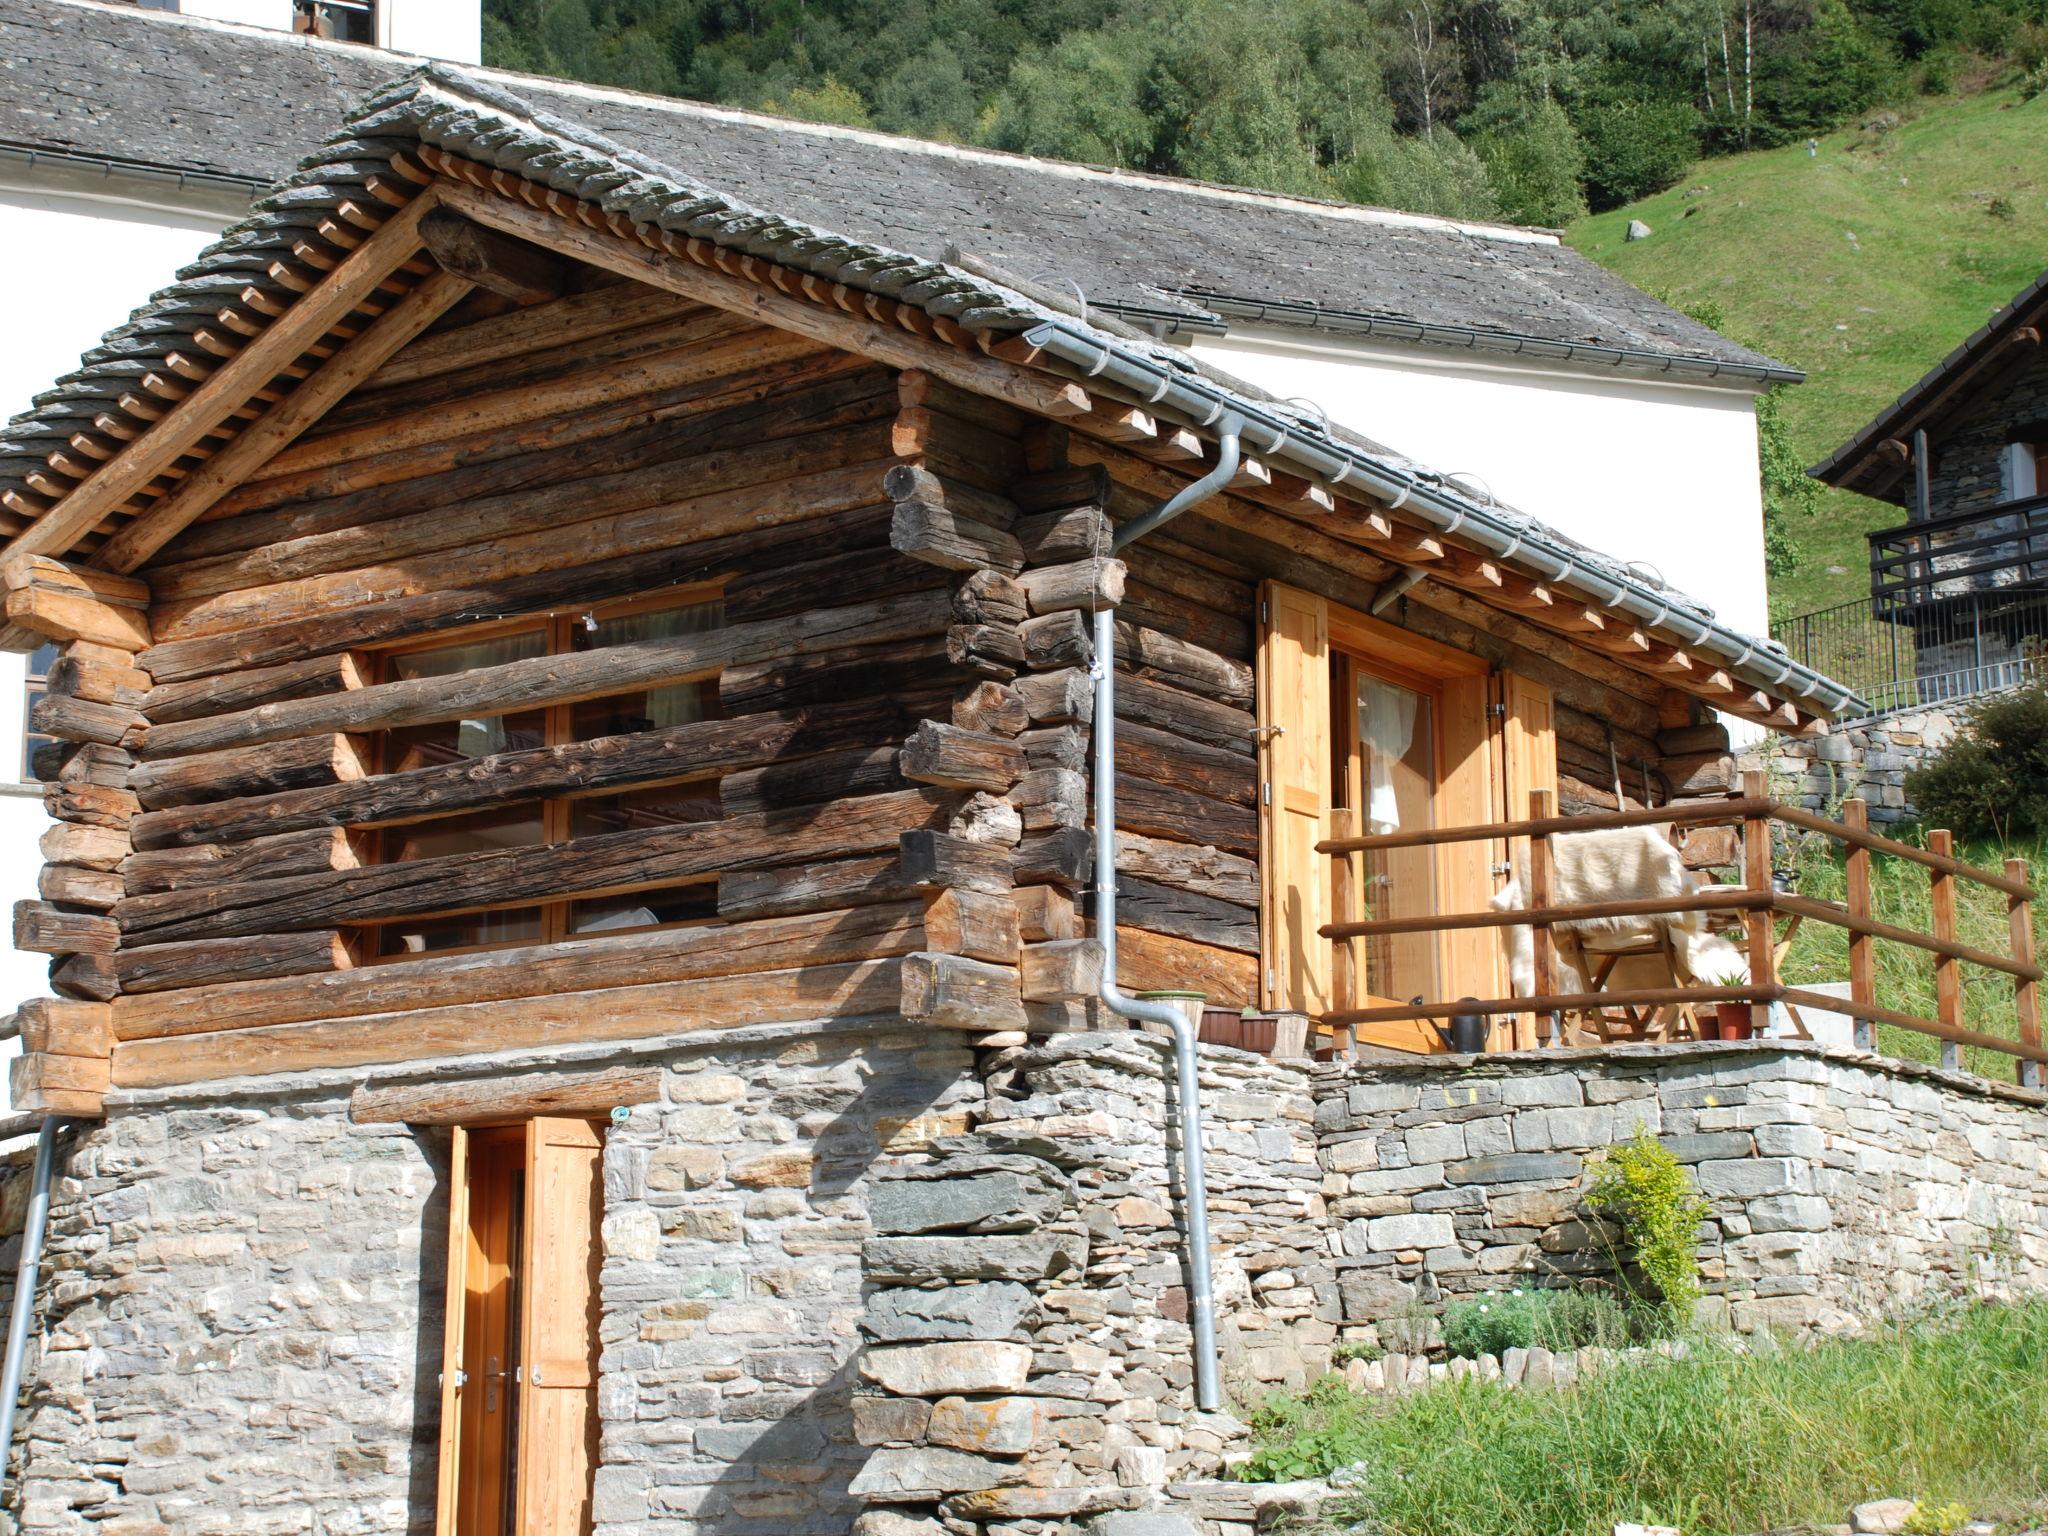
{"type": "Point", "coordinates": [558, 629]}
{"type": "Point", "coordinates": [34, 685]}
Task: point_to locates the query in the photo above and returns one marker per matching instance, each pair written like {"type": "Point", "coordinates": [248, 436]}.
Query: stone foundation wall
{"type": "Point", "coordinates": [735, 1210]}
{"type": "Point", "coordinates": [1842, 1186]}
{"type": "Point", "coordinates": [1870, 759]}
{"type": "Point", "coordinates": [240, 1326]}
{"type": "Point", "coordinates": [1031, 1291]}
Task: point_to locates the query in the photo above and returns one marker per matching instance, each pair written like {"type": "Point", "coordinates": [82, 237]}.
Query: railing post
{"type": "Point", "coordinates": [1862, 948]}
{"type": "Point", "coordinates": [2026, 991]}
{"type": "Point", "coordinates": [1347, 963]}
{"type": "Point", "coordinates": [1948, 971]}
{"type": "Point", "coordinates": [1760, 920]}
{"type": "Point", "coordinates": [1542, 805]}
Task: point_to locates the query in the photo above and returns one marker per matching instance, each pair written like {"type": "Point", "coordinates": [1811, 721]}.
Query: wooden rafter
{"type": "Point", "coordinates": [283, 423]}
{"type": "Point", "coordinates": [108, 484]}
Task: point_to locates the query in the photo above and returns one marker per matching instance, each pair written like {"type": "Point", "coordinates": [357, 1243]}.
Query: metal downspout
{"type": "Point", "coordinates": [1194, 1180]}
{"type": "Point", "coordinates": [32, 1233]}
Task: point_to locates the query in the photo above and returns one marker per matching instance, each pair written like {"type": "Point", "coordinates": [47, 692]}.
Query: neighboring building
{"type": "Point", "coordinates": [1962, 585]}
{"type": "Point", "coordinates": [576, 634]}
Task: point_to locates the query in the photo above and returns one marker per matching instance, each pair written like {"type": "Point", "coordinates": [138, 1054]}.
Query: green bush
{"type": "Point", "coordinates": [1992, 780]}
{"type": "Point", "coordinates": [1950, 1409]}
{"type": "Point", "coordinates": [1634, 148]}
{"type": "Point", "coordinates": [1553, 1319]}
{"type": "Point", "coordinates": [1533, 157]}
{"type": "Point", "coordinates": [1648, 1193]}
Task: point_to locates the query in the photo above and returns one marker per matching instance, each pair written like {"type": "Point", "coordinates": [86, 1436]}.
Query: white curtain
{"type": "Point", "coordinates": [679, 703]}
{"type": "Point", "coordinates": [1387, 713]}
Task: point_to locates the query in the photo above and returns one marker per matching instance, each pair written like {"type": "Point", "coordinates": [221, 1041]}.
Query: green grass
{"type": "Point", "coordinates": [1766, 237]}
{"type": "Point", "coordinates": [1950, 1412]}
{"type": "Point", "coordinates": [1901, 895]}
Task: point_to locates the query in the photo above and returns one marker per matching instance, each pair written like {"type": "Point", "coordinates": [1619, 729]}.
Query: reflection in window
{"type": "Point", "coordinates": [656, 708]}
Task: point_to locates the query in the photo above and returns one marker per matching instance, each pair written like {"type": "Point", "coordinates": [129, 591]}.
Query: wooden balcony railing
{"type": "Point", "coordinates": [1759, 905]}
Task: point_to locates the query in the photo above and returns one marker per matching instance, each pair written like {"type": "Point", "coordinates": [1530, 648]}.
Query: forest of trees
{"type": "Point", "coordinates": [1531, 110]}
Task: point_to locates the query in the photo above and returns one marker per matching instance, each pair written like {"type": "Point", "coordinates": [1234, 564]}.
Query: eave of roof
{"type": "Point", "coordinates": [477, 122]}
{"type": "Point", "coordinates": [1854, 466]}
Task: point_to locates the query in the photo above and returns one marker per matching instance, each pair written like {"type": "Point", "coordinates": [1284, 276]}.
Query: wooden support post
{"type": "Point", "coordinates": [1763, 930]}
{"type": "Point", "coordinates": [1542, 805]}
{"type": "Point", "coordinates": [1948, 972]}
{"type": "Point", "coordinates": [1347, 970]}
{"type": "Point", "coordinates": [2026, 992]}
{"type": "Point", "coordinates": [1862, 948]}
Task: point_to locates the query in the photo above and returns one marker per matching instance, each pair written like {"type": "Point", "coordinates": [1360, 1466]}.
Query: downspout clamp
{"type": "Point", "coordinates": [32, 1233]}
{"type": "Point", "coordinates": [1195, 1189]}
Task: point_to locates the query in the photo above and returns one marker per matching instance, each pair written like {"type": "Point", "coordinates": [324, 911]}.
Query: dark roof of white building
{"type": "Point", "coordinates": [156, 93]}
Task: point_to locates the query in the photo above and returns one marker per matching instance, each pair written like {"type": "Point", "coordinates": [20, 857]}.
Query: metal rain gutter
{"type": "Point", "coordinates": [1437, 504]}
{"type": "Point", "coordinates": [1187, 1074]}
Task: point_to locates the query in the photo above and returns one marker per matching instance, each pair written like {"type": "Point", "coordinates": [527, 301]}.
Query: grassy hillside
{"type": "Point", "coordinates": [1862, 264]}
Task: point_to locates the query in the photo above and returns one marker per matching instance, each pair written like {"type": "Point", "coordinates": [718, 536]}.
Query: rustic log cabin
{"type": "Point", "coordinates": [600, 725]}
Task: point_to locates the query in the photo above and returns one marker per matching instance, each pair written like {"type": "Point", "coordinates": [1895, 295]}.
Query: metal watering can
{"type": "Point", "coordinates": [1467, 1033]}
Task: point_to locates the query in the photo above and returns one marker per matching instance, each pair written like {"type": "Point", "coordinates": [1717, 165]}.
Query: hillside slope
{"type": "Point", "coordinates": [1861, 264]}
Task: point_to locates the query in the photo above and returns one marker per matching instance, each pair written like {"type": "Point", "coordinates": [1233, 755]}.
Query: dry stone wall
{"type": "Point", "coordinates": [1842, 1186]}
{"type": "Point", "coordinates": [1030, 1355]}
{"type": "Point", "coordinates": [1870, 758]}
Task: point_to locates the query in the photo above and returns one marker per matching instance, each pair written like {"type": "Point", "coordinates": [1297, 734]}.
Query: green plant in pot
{"type": "Point", "coordinates": [1726, 1021]}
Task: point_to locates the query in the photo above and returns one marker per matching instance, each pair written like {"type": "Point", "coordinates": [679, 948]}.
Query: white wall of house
{"type": "Point", "coordinates": [1661, 473]}
{"type": "Point", "coordinates": [90, 248]}
{"type": "Point", "coordinates": [275, 14]}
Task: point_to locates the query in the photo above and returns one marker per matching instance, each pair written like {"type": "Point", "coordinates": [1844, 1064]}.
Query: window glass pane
{"type": "Point", "coordinates": [1397, 773]}
{"type": "Point", "coordinates": [447, 741]}
{"type": "Point", "coordinates": [39, 663]}
{"type": "Point", "coordinates": [654, 708]}
{"type": "Point", "coordinates": [640, 809]}
{"type": "Point", "coordinates": [513, 826]}
{"type": "Point", "coordinates": [644, 909]}
{"type": "Point", "coordinates": [521, 925]}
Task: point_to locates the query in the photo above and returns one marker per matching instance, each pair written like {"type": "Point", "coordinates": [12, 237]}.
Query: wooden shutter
{"type": "Point", "coordinates": [1294, 797]}
{"type": "Point", "coordinates": [449, 1467]}
{"type": "Point", "coordinates": [558, 1327]}
{"type": "Point", "coordinates": [1466, 796]}
{"type": "Point", "coordinates": [1529, 741]}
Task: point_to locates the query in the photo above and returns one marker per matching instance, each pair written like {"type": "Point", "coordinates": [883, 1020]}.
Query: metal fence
{"type": "Point", "coordinates": [1932, 653]}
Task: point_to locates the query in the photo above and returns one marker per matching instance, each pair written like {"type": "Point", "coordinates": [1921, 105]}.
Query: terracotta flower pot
{"type": "Point", "coordinates": [1731, 1022]}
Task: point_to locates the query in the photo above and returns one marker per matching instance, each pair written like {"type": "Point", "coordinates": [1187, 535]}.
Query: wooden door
{"type": "Point", "coordinates": [1528, 762]}
{"type": "Point", "coordinates": [558, 1396]}
{"type": "Point", "coordinates": [1294, 797]}
{"type": "Point", "coordinates": [1473, 963]}
{"type": "Point", "coordinates": [477, 1479]}
{"type": "Point", "coordinates": [454, 1396]}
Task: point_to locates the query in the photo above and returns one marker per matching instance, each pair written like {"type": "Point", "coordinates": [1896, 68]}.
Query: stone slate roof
{"type": "Point", "coordinates": [129, 87]}
{"type": "Point", "coordinates": [1943, 393]}
{"type": "Point", "coordinates": [481, 122]}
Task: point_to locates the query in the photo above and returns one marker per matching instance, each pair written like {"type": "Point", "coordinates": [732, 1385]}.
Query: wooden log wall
{"type": "Point", "coordinates": [222, 791]}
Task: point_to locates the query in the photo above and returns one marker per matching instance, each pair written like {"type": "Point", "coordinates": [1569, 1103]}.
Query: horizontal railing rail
{"type": "Point", "coordinates": [1756, 901]}
{"type": "Point", "coordinates": [1910, 562]}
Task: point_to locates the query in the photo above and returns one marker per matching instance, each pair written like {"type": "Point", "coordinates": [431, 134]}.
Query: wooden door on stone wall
{"type": "Point", "coordinates": [518, 1430]}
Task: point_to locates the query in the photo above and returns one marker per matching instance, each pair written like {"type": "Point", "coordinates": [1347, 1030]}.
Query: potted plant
{"type": "Point", "coordinates": [1728, 1021]}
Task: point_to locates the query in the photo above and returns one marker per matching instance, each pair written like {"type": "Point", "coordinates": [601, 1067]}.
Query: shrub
{"type": "Point", "coordinates": [1634, 148]}
{"type": "Point", "coordinates": [1992, 780]}
{"type": "Point", "coordinates": [1533, 158]}
{"type": "Point", "coordinates": [1553, 1319]}
{"type": "Point", "coordinates": [1648, 1193]}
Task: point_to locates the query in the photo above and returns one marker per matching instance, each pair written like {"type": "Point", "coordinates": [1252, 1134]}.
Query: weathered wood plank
{"type": "Point", "coordinates": [211, 962]}
{"type": "Point", "coordinates": [582, 965]}
{"type": "Point", "coordinates": [542, 680]}
{"type": "Point", "coordinates": [658, 1011]}
{"type": "Point", "coordinates": [506, 1097]}
{"type": "Point", "coordinates": [609, 863]}
{"type": "Point", "coordinates": [260, 858]}
{"type": "Point", "coordinates": [238, 772]}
